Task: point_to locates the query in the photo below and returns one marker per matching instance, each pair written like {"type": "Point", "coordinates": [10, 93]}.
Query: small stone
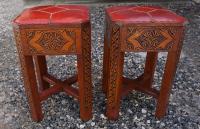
{"type": "Point", "coordinates": [143, 127]}
{"type": "Point", "coordinates": [48, 118]}
{"type": "Point", "coordinates": [144, 111]}
{"type": "Point", "coordinates": [148, 121]}
{"type": "Point", "coordinates": [157, 121]}
{"type": "Point", "coordinates": [135, 118]}
{"type": "Point", "coordinates": [62, 118]}
{"type": "Point", "coordinates": [103, 116]}
{"type": "Point", "coordinates": [129, 110]}
{"type": "Point", "coordinates": [82, 126]}
{"type": "Point", "coordinates": [48, 128]}
{"type": "Point", "coordinates": [63, 102]}
{"type": "Point", "coordinates": [92, 123]}
{"type": "Point", "coordinates": [162, 124]}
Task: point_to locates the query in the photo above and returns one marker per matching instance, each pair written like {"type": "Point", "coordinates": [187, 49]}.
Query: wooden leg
{"type": "Point", "coordinates": [105, 65]}
{"type": "Point", "coordinates": [31, 87]}
{"type": "Point", "coordinates": [149, 70]}
{"type": "Point", "coordinates": [84, 75]}
{"type": "Point", "coordinates": [41, 70]}
{"type": "Point", "coordinates": [169, 73]}
{"type": "Point", "coordinates": [115, 75]}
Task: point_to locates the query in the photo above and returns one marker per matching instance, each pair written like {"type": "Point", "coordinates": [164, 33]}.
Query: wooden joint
{"type": "Point", "coordinates": [137, 84]}
{"type": "Point", "coordinates": [59, 86]}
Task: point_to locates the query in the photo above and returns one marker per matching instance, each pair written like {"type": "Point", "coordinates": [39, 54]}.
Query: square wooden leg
{"type": "Point", "coordinates": [151, 60]}
{"type": "Point", "coordinates": [116, 60]}
{"type": "Point", "coordinates": [105, 64]}
{"type": "Point", "coordinates": [41, 70]}
{"type": "Point", "coordinates": [31, 87]}
{"type": "Point", "coordinates": [168, 77]}
{"type": "Point", "coordinates": [84, 75]}
{"type": "Point", "coordinates": [114, 86]}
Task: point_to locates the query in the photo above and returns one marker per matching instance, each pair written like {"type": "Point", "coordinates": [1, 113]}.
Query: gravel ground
{"type": "Point", "coordinates": [137, 110]}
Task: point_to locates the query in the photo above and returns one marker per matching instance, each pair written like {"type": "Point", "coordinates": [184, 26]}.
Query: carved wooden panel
{"type": "Point", "coordinates": [150, 38]}
{"type": "Point", "coordinates": [49, 41]}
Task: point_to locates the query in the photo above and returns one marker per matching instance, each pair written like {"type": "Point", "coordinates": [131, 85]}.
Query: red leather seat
{"type": "Point", "coordinates": [143, 14]}
{"type": "Point", "coordinates": [54, 14]}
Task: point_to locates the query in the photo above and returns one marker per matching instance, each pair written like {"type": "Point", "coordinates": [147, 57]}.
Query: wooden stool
{"type": "Point", "coordinates": [54, 30]}
{"type": "Point", "coordinates": [140, 29]}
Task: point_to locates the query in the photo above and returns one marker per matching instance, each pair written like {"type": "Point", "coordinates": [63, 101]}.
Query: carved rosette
{"type": "Point", "coordinates": [150, 38]}
{"type": "Point", "coordinates": [114, 55]}
{"type": "Point", "coordinates": [55, 41]}
{"type": "Point", "coordinates": [86, 55]}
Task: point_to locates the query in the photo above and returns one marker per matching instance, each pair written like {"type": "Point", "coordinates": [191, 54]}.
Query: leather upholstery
{"type": "Point", "coordinates": [54, 14]}
{"type": "Point", "coordinates": [143, 14]}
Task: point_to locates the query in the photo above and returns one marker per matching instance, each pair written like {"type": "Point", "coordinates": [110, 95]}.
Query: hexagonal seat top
{"type": "Point", "coordinates": [143, 14]}
{"type": "Point", "coordinates": [54, 14]}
